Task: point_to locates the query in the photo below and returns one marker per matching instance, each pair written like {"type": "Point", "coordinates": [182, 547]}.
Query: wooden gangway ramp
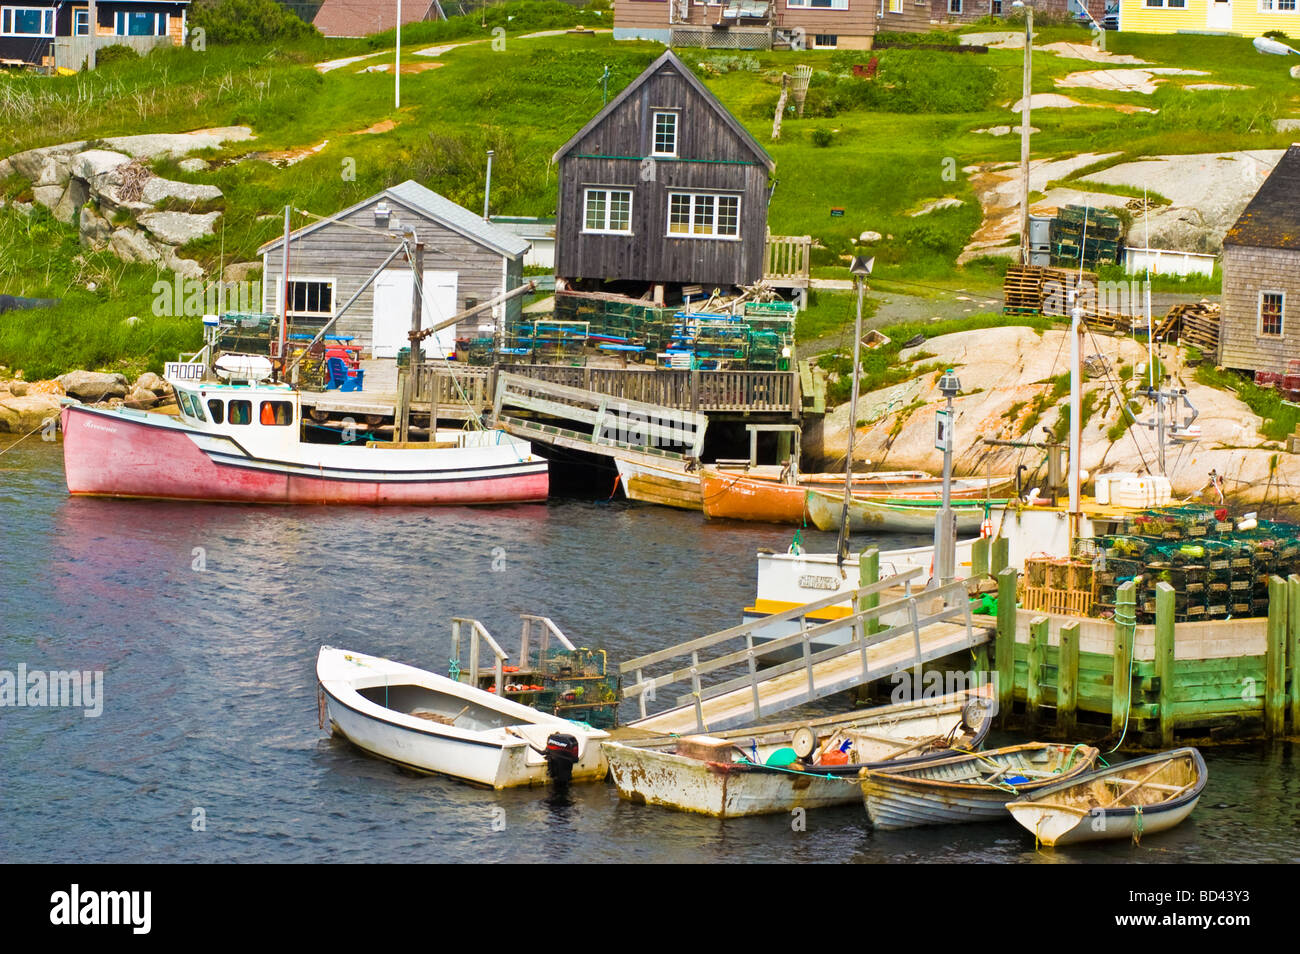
{"type": "Point", "coordinates": [873, 642]}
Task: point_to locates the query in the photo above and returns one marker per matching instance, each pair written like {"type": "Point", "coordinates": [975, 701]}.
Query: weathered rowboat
{"type": "Point", "coordinates": [895, 514]}
{"type": "Point", "coordinates": [1132, 799]}
{"type": "Point", "coordinates": [668, 484]}
{"type": "Point", "coordinates": [971, 787]}
{"type": "Point", "coordinates": [428, 723]}
{"type": "Point", "coordinates": [728, 775]}
{"type": "Point", "coordinates": [745, 496]}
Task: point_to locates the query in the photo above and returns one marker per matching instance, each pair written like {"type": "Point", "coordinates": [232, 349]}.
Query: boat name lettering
{"type": "Point", "coordinates": [819, 583]}
{"type": "Point", "coordinates": [101, 427]}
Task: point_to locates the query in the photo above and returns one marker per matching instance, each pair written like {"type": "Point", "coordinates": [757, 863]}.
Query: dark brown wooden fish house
{"type": "Point", "coordinates": [663, 187]}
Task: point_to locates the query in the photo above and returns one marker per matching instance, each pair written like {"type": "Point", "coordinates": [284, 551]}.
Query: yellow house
{"type": "Point", "coordinates": [1243, 17]}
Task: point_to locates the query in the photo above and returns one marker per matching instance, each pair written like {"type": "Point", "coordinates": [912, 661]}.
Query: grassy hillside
{"type": "Point", "coordinates": [878, 149]}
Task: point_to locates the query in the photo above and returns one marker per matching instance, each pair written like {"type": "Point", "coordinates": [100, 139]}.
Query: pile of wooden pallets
{"type": "Point", "coordinates": [1086, 236]}
{"type": "Point", "coordinates": [1195, 324]}
{"type": "Point", "coordinates": [1040, 290]}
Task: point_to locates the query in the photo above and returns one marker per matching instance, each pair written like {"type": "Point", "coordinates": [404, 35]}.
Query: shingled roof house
{"type": "Point", "coordinates": [1261, 276]}
{"type": "Point", "coordinates": [354, 18]}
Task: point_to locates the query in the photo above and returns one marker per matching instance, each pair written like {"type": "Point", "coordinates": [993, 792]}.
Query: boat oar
{"type": "Point", "coordinates": [1136, 785]}
{"type": "Point", "coordinates": [913, 747]}
{"type": "Point", "coordinates": [459, 714]}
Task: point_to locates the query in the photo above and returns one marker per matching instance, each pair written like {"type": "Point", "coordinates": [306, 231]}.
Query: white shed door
{"type": "Point", "coordinates": [392, 313]}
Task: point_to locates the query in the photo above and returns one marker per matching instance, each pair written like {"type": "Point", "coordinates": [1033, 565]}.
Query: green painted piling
{"type": "Point", "coordinates": [979, 557]}
{"type": "Point", "coordinates": [1293, 650]}
{"type": "Point", "coordinates": [868, 573]}
{"type": "Point", "coordinates": [1034, 677]}
{"type": "Point", "coordinates": [999, 555]}
{"type": "Point", "coordinates": [1121, 657]}
{"type": "Point", "coordinates": [1275, 659]}
{"type": "Point", "coordinates": [1067, 679]}
{"type": "Point", "coordinates": [1005, 650]}
{"type": "Point", "coordinates": [1164, 662]}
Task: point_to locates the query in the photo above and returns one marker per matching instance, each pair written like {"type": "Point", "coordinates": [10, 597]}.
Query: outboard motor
{"type": "Point", "coordinates": [561, 754]}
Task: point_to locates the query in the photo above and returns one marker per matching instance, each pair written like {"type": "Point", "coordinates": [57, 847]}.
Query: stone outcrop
{"type": "Point", "coordinates": [22, 414]}
{"type": "Point", "coordinates": [93, 386]}
{"type": "Point", "coordinates": [97, 187]}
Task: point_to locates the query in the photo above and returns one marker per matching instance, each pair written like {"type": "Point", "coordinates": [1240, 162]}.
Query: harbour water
{"type": "Point", "coordinates": [206, 621]}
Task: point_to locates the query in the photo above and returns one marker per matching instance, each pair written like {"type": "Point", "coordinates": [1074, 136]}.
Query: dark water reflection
{"type": "Point", "coordinates": [210, 692]}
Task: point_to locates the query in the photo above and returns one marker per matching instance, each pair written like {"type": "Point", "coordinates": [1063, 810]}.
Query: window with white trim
{"type": "Point", "coordinates": [817, 4]}
{"type": "Point", "coordinates": [26, 21]}
{"type": "Point", "coordinates": [1271, 304]}
{"type": "Point", "coordinates": [311, 301]}
{"type": "Point", "coordinates": [665, 143]}
{"type": "Point", "coordinates": [954, 6]}
{"type": "Point", "coordinates": [895, 6]}
{"type": "Point", "coordinates": [825, 41]}
{"type": "Point", "coordinates": [132, 23]}
{"type": "Point", "coordinates": [703, 215]}
{"type": "Point", "coordinates": [608, 210]}
{"type": "Point", "coordinates": [81, 22]}
{"type": "Point", "coordinates": [1277, 6]}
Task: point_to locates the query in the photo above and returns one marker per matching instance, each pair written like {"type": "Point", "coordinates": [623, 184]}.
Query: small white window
{"type": "Point", "coordinates": [954, 6]}
{"type": "Point", "coordinates": [665, 143]}
{"type": "Point", "coordinates": [131, 23]}
{"type": "Point", "coordinates": [81, 22]}
{"type": "Point", "coordinates": [608, 210]}
{"type": "Point", "coordinates": [825, 41]}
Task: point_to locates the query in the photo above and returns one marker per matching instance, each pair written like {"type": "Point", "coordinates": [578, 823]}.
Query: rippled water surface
{"type": "Point", "coordinates": [210, 698]}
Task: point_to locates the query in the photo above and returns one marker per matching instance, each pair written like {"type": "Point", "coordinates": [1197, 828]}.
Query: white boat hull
{"type": "Point", "coordinates": [1054, 828]}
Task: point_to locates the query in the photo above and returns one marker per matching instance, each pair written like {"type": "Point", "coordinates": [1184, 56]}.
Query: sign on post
{"type": "Point", "coordinates": [943, 430]}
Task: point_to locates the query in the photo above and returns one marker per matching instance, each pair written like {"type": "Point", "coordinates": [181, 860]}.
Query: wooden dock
{"type": "Point", "coordinates": [938, 623]}
{"type": "Point", "coordinates": [1153, 685]}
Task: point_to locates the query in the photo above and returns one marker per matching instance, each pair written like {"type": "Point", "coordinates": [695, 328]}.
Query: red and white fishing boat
{"type": "Point", "coordinates": [242, 441]}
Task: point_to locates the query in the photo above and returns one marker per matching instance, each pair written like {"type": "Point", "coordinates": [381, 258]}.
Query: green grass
{"type": "Point", "coordinates": [896, 142]}
{"type": "Point", "coordinates": [1279, 419]}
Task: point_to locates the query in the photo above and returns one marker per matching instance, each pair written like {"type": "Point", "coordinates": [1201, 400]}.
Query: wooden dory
{"type": "Point", "coordinates": [972, 787]}
{"type": "Point", "coordinates": [744, 496]}
{"type": "Point", "coordinates": [1136, 798]}
{"type": "Point", "coordinates": [893, 514]}
{"type": "Point", "coordinates": [724, 775]}
{"type": "Point", "coordinates": [432, 724]}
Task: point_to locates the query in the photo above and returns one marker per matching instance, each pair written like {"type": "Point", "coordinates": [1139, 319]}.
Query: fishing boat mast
{"type": "Point", "coordinates": [860, 268]}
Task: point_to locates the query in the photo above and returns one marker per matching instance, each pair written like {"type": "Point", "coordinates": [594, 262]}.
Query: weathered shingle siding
{"type": "Point", "coordinates": [711, 158]}
{"type": "Point", "coordinates": [349, 255]}
{"type": "Point", "coordinates": [1246, 272]}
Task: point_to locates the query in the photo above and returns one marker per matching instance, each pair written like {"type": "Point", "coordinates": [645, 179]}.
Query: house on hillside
{"type": "Point", "coordinates": [663, 187]}
{"type": "Point", "coordinates": [1260, 320]}
{"type": "Point", "coordinates": [467, 261]}
{"type": "Point", "coordinates": [58, 33]}
{"type": "Point", "coordinates": [1242, 17]}
{"type": "Point", "coordinates": [768, 24]}
{"type": "Point", "coordinates": [354, 18]}
{"type": "Point", "coordinates": [968, 11]}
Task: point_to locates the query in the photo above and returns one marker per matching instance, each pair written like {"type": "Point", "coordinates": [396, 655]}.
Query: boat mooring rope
{"type": "Point", "coordinates": [1131, 623]}
{"type": "Point", "coordinates": [39, 427]}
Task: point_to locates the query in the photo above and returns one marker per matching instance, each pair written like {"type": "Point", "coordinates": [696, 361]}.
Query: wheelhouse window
{"type": "Point", "coordinates": [276, 413]}
{"type": "Point", "coordinates": [608, 211]}
{"type": "Point", "coordinates": [1270, 313]}
{"type": "Point", "coordinates": [217, 411]}
{"type": "Point", "coordinates": [703, 215]}
{"type": "Point", "coordinates": [241, 412]}
{"type": "Point", "coordinates": [191, 406]}
{"type": "Point", "coordinates": [665, 143]}
{"type": "Point", "coordinates": [27, 21]}
{"type": "Point", "coordinates": [130, 23]}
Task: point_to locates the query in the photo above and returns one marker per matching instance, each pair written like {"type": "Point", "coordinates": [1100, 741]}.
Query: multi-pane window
{"type": "Point", "coordinates": [825, 41]}
{"type": "Point", "coordinates": [27, 21]}
{"type": "Point", "coordinates": [311, 299]}
{"type": "Point", "coordinates": [819, 4]}
{"type": "Point", "coordinates": [608, 210]}
{"type": "Point", "coordinates": [703, 215]}
{"type": "Point", "coordinates": [665, 134]}
{"type": "Point", "coordinates": [1284, 6]}
{"type": "Point", "coordinates": [1270, 313]}
{"type": "Point", "coordinates": [954, 6]}
{"type": "Point", "coordinates": [81, 22]}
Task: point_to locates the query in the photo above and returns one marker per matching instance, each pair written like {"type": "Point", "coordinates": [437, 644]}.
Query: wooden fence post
{"type": "Point", "coordinates": [1275, 659]}
{"type": "Point", "coordinates": [868, 573]}
{"type": "Point", "coordinates": [979, 557]}
{"type": "Point", "coordinates": [1121, 698]}
{"type": "Point", "coordinates": [1035, 658]}
{"type": "Point", "coordinates": [1293, 652]}
{"type": "Point", "coordinates": [1164, 662]}
{"type": "Point", "coordinates": [1005, 650]}
{"type": "Point", "coordinates": [999, 557]}
{"type": "Point", "coordinates": [1067, 679]}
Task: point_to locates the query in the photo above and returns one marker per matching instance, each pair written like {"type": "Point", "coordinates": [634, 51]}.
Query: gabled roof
{"type": "Point", "coordinates": [1272, 219]}
{"type": "Point", "coordinates": [353, 18]}
{"type": "Point", "coordinates": [416, 198]}
{"type": "Point", "coordinates": [669, 58]}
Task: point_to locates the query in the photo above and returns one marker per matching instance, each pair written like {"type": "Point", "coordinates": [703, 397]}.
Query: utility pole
{"type": "Point", "coordinates": [945, 524]}
{"type": "Point", "coordinates": [487, 187]}
{"type": "Point", "coordinates": [860, 269]}
{"type": "Point", "coordinates": [92, 16]}
{"type": "Point", "coordinates": [397, 62]}
{"type": "Point", "coordinates": [604, 86]}
{"type": "Point", "coordinates": [1026, 85]}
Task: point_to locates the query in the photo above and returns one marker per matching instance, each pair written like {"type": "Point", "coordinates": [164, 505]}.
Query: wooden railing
{"type": "Point", "coordinates": [768, 391]}
{"type": "Point", "coordinates": [787, 260]}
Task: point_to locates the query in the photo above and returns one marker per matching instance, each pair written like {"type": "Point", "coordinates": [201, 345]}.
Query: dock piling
{"type": "Point", "coordinates": [979, 557]}
{"type": "Point", "coordinates": [1164, 661]}
{"type": "Point", "coordinates": [999, 555]}
{"type": "Point", "coordinates": [1067, 679]}
{"type": "Point", "coordinates": [1005, 650]}
{"type": "Point", "coordinates": [1293, 650]}
{"type": "Point", "coordinates": [1275, 659]}
{"type": "Point", "coordinates": [1034, 661]}
{"type": "Point", "coordinates": [868, 573]}
{"type": "Point", "coordinates": [1121, 699]}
